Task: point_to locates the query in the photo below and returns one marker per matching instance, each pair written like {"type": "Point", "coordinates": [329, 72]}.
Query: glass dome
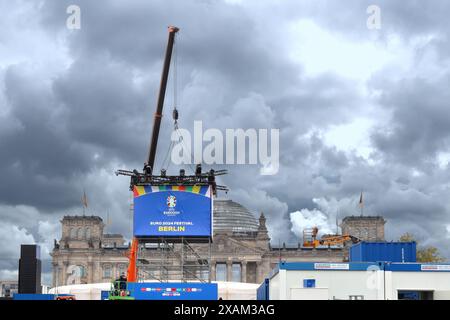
{"type": "Point", "coordinates": [231, 216]}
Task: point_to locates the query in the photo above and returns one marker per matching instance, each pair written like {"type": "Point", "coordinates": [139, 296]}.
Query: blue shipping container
{"type": "Point", "coordinates": [262, 293]}
{"type": "Point", "coordinates": [33, 296]}
{"type": "Point", "coordinates": [383, 251]}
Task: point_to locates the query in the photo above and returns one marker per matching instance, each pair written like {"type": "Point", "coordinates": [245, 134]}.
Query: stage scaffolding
{"type": "Point", "coordinates": [182, 259]}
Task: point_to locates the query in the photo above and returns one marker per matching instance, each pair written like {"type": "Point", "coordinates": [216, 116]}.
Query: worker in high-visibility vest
{"type": "Point", "coordinates": [120, 285]}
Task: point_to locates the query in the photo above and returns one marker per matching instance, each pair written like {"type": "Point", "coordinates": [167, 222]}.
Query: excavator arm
{"type": "Point", "coordinates": [337, 240]}
{"type": "Point", "coordinates": [310, 239]}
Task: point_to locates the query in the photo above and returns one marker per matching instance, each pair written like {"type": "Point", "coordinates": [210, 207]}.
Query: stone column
{"type": "Point", "coordinates": [54, 273]}
{"type": "Point", "coordinates": [114, 270]}
{"type": "Point", "coordinates": [244, 271]}
{"type": "Point", "coordinates": [97, 272]}
{"type": "Point", "coordinates": [64, 273]}
{"type": "Point", "coordinates": [213, 271]}
{"type": "Point", "coordinates": [90, 271]}
{"type": "Point", "coordinates": [229, 270]}
{"type": "Point", "coordinates": [258, 271]}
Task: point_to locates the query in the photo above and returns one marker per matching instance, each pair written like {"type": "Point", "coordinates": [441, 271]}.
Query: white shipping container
{"type": "Point", "coordinates": [359, 281]}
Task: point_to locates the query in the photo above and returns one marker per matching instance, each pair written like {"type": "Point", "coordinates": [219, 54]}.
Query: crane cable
{"type": "Point", "coordinates": [175, 114]}
{"type": "Point", "coordinates": [175, 111]}
{"type": "Point", "coordinates": [175, 86]}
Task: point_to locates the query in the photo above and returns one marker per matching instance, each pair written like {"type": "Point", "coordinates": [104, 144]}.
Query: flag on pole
{"type": "Point", "coordinates": [361, 203]}
{"type": "Point", "coordinates": [108, 220]}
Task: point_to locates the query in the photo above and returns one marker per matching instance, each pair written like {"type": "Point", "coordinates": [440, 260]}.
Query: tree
{"type": "Point", "coordinates": [423, 254]}
{"type": "Point", "coordinates": [407, 237]}
{"type": "Point", "coordinates": [429, 254]}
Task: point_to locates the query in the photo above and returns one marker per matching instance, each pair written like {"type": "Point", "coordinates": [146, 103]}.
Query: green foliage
{"type": "Point", "coordinates": [407, 237]}
{"type": "Point", "coordinates": [429, 254]}
{"type": "Point", "coordinates": [424, 254]}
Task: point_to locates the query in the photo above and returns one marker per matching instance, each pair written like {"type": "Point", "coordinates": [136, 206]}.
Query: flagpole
{"type": "Point", "coordinates": [361, 208]}
{"type": "Point", "coordinates": [361, 203]}
{"type": "Point", "coordinates": [84, 202]}
{"type": "Point", "coordinates": [107, 221]}
{"type": "Point", "coordinates": [337, 223]}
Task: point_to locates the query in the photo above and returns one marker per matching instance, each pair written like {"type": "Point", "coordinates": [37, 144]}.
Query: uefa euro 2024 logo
{"type": "Point", "coordinates": [171, 201]}
{"type": "Point", "coordinates": [171, 204]}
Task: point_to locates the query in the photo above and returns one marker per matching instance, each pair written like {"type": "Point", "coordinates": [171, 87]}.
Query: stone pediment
{"type": "Point", "coordinates": [228, 244]}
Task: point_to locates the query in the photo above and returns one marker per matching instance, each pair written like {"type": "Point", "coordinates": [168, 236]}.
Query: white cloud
{"type": "Point", "coordinates": [306, 219]}
{"type": "Point", "coordinates": [9, 274]}
{"type": "Point", "coordinates": [11, 237]}
{"type": "Point", "coordinates": [24, 22]}
{"type": "Point", "coordinates": [48, 231]}
{"type": "Point", "coordinates": [258, 201]}
{"type": "Point", "coordinates": [321, 51]}
{"type": "Point", "coordinates": [234, 1]}
{"type": "Point", "coordinates": [109, 194]}
{"type": "Point", "coordinates": [324, 216]}
{"type": "Point", "coordinates": [351, 137]}
{"type": "Point", "coordinates": [21, 215]}
{"type": "Point", "coordinates": [443, 159]}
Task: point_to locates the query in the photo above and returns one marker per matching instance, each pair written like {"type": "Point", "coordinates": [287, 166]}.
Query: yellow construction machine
{"type": "Point", "coordinates": [310, 239]}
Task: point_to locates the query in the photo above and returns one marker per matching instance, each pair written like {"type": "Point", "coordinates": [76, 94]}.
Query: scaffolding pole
{"type": "Point", "coordinates": [180, 259]}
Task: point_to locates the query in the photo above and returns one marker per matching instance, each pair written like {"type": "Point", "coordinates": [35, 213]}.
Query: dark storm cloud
{"type": "Point", "coordinates": [38, 157]}
{"type": "Point", "coordinates": [99, 102]}
{"type": "Point", "coordinates": [420, 127]}
{"type": "Point", "coordinates": [313, 103]}
{"type": "Point", "coordinates": [408, 18]}
{"type": "Point", "coordinates": [414, 17]}
{"type": "Point", "coordinates": [217, 37]}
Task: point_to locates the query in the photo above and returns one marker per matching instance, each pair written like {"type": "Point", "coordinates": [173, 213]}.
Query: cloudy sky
{"type": "Point", "coordinates": [357, 109]}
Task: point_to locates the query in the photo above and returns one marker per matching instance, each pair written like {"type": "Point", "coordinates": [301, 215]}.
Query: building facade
{"type": "Point", "coordinates": [8, 288]}
{"type": "Point", "coordinates": [366, 228]}
{"type": "Point", "coordinates": [240, 251]}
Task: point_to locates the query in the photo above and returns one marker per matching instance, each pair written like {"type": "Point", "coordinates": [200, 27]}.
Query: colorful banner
{"type": "Point", "coordinates": [172, 211]}
{"type": "Point", "coordinates": [173, 291]}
